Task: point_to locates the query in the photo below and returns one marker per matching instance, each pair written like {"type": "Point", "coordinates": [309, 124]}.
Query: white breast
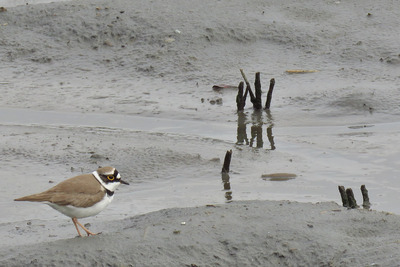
{"type": "Point", "coordinates": [79, 212]}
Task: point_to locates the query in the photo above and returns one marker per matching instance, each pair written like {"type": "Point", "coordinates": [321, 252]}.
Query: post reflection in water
{"type": "Point", "coordinates": [241, 129]}
{"type": "Point", "coordinates": [259, 118]}
{"type": "Point", "coordinates": [256, 131]}
{"type": "Point", "coordinates": [227, 186]}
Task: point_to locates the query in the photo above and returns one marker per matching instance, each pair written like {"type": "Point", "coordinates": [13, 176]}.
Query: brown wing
{"type": "Point", "coordinates": [80, 191]}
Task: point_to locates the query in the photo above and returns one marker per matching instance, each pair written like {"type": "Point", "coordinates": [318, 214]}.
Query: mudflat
{"type": "Point", "coordinates": [130, 84]}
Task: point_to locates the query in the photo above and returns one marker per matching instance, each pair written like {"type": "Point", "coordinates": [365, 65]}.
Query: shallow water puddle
{"type": "Point", "coordinates": [136, 123]}
{"type": "Point", "coordinates": [315, 160]}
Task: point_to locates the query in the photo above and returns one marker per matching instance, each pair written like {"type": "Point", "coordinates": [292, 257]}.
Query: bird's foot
{"type": "Point", "coordinates": [88, 232]}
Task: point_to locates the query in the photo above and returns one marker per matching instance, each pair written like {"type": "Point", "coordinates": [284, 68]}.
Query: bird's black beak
{"type": "Point", "coordinates": [123, 182]}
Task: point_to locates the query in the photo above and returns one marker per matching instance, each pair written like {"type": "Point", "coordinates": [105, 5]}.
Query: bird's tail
{"type": "Point", "coordinates": [34, 198]}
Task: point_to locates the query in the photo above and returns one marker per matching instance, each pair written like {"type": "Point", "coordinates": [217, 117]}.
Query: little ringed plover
{"type": "Point", "coordinates": [81, 196]}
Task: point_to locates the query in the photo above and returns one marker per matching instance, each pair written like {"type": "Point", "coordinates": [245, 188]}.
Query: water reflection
{"type": "Point", "coordinates": [241, 129]}
{"type": "Point", "coordinates": [256, 129]}
{"type": "Point", "coordinates": [258, 120]}
{"type": "Point", "coordinates": [227, 186]}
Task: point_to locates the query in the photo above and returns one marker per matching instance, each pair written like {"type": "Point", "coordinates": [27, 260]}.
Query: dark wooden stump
{"type": "Point", "coordinates": [343, 195]}
{"type": "Point", "coordinates": [225, 176]}
{"type": "Point", "coordinates": [350, 197]}
{"type": "Point", "coordinates": [227, 161]}
{"type": "Point", "coordinates": [248, 88]}
{"type": "Point", "coordinates": [364, 192]}
{"type": "Point", "coordinates": [269, 95]}
{"type": "Point", "coordinates": [241, 98]}
{"type": "Point", "coordinates": [255, 97]}
{"type": "Point", "coordinates": [257, 87]}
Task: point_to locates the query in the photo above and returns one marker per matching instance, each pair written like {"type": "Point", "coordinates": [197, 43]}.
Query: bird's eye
{"type": "Point", "coordinates": [110, 177]}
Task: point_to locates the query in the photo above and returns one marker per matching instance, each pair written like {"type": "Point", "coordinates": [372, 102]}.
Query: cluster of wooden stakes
{"type": "Point", "coordinates": [347, 195]}
{"type": "Point", "coordinates": [348, 199]}
{"type": "Point", "coordinates": [255, 98]}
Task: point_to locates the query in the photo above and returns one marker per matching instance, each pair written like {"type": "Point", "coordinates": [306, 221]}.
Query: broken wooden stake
{"type": "Point", "coordinates": [364, 192]}
{"type": "Point", "coordinates": [241, 98]}
{"type": "Point", "coordinates": [350, 197]}
{"type": "Point", "coordinates": [248, 87]}
{"type": "Point", "coordinates": [244, 77]}
{"type": "Point", "coordinates": [255, 97]}
{"type": "Point", "coordinates": [343, 195]}
{"type": "Point", "coordinates": [225, 176]}
{"type": "Point", "coordinates": [257, 87]}
{"type": "Point", "coordinates": [269, 95]}
{"type": "Point", "coordinates": [227, 161]}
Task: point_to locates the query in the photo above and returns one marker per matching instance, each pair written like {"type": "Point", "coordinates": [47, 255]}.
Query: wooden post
{"type": "Point", "coordinates": [241, 98]}
{"type": "Point", "coordinates": [269, 96]}
{"type": "Point", "coordinates": [244, 77]}
{"type": "Point", "coordinates": [227, 161]}
{"type": "Point", "coordinates": [343, 195]}
{"type": "Point", "coordinates": [364, 192]}
{"type": "Point", "coordinates": [350, 197]}
{"type": "Point", "coordinates": [256, 99]}
{"type": "Point", "coordinates": [248, 87]}
{"type": "Point", "coordinates": [225, 176]}
{"type": "Point", "coordinates": [257, 87]}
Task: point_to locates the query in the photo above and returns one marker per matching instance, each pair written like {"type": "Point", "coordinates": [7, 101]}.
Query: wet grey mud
{"type": "Point", "coordinates": [130, 84]}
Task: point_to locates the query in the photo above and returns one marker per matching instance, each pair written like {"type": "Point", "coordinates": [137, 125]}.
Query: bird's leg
{"type": "Point", "coordinates": [75, 220]}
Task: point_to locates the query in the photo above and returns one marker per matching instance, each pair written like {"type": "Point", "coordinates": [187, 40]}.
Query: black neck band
{"type": "Point", "coordinates": [109, 193]}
